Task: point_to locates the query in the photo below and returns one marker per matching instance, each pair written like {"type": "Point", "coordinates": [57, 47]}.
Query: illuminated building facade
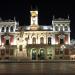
{"type": "Point", "coordinates": [33, 41]}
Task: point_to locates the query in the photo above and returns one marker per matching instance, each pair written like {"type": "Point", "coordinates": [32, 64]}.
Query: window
{"type": "Point", "coordinates": [11, 29]}
{"type": "Point", "coordinates": [7, 29]}
{"type": "Point", "coordinates": [61, 41]}
{"type": "Point", "coordinates": [50, 54]}
{"type": "Point", "coordinates": [17, 38]}
{"type": "Point", "coordinates": [61, 28]}
{"type": "Point", "coordinates": [42, 54]}
{"type": "Point", "coordinates": [61, 57]}
{"type": "Point", "coordinates": [11, 52]}
{"type": "Point", "coordinates": [33, 54]}
{"type": "Point", "coordinates": [58, 24]}
{"type": "Point", "coordinates": [7, 42]}
{"type": "Point", "coordinates": [66, 51]}
{"type": "Point", "coordinates": [56, 28]}
{"type": "Point", "coordinates": [49, 40]}
{"type": "Point", "coordinates": [7, 51]}
{"type": "Point", "coordinates": [2, 29]}
{"type": "Point", "coordinates": [57, 51]}
{"type": "Point", "coordinates": [2, 52]}
{"type": "Point", "coordinates": [61, 52]}
{"type": "Point", "coordinates": [66, 28]}
{"type": "Point", "coordinates": [20, 48]}
{"type": "Point", "coordinates": [34, 40]}
{"type": "Point", "coordinates": [41, 40]}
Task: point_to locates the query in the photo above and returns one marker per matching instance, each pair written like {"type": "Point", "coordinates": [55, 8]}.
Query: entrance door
{"type": "Point", "coordinates": [33, 54]}
{"type": "Point", "coordinates": [42, 54]}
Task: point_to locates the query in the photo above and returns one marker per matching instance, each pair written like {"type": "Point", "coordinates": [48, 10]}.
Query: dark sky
{"type": "Point", "coordinates": [46, 8]}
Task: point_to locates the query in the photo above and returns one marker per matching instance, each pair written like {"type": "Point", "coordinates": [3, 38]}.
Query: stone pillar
{"type": "Point", "coordinates": [13, 28]}
{"type": "Point", "coordinates": [69, 38]}
{"type": "Point", "coordinates": [9, 29]}
{"type": "Point", "coordinates": [4, 29]}
{"type": "Point", "coordinates": [63, 28]}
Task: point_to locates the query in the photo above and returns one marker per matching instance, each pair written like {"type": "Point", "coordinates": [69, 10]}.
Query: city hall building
{"type": "Point", "coordinates": [34, 41]}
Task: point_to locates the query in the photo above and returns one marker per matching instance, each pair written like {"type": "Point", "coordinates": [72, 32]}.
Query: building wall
{"type": "Point", "coordinates": [35, 35]}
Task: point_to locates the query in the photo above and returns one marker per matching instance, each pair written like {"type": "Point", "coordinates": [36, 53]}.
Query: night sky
{"type": "Point", "coordinates": [47, 8]}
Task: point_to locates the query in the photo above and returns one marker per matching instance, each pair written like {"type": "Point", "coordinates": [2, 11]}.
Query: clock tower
{"type": "Point", "coordinates": [34, 20]}
{"type": "Point", "coordinates": [34, 17]}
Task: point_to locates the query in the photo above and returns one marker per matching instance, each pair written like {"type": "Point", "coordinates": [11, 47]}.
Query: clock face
{"type": "Point", "coordinates": [34, 14]}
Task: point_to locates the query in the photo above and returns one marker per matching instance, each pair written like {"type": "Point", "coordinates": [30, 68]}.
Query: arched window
{"type": "Point", "coordinates": [61, 28]}
{"type": "Point", "coordinates": [61, 41]}
{"type": "Point", "coordinates": [11, 29]}
{"type": "Point", "coordinates": [56, 28]}
{"type": "Point", "coordinates": [66, 28]}
{"type": "Point", "coordinates": [42, 54]}
{"type": "Point", "coordinates": [2, 30]}
{"type": "Point", "coordinates": [41, 40]}
{"type": "Point", "coordinates": [34, 40]}
{"type": "Point", "coordinates": [7, 42]}
{"type": "Point", "coordinates": [61, 37]}
{"type": "Point", "coordinates": [7, 29]}
{"type": "Point", "coordinates": [33, 54]}
{"type": "Point", "coordinates": [49, 40]}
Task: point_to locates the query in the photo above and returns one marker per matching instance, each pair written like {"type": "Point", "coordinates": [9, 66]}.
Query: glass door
{"type": "Point", "coordinates": [33, 54]}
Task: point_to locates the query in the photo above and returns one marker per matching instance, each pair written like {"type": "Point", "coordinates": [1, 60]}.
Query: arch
{"type": "Point", "coordinates": [20, 47]}
{"type": "Point", "coordinates": [66, 28]}
{"type": "Point", "coordinates": [34, 40]}
{"type": "Point", "coordinates": [2, 30]}
{"type": "Point", "coordinates": [11, 28]}
{"type": "Point", "coordinates": [41, 40]}
{"type": "Point", "coordinates": [2, 52]}
{"type": "Point", "coordinates": [49, 40]}
{"type": "Point", "coordinates": [42, 54]}
{"type": "Point", "coordinates": [61, 28]}
{"type": "Point", "coordinates": [33, 54]}
{"type": "Point", "coordinates": [61, 41]}
{"type": "Point", "coordinates": [56, 28]}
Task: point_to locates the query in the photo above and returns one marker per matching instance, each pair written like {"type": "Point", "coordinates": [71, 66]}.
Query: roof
{"type": "Point", "coordinates": [41, 27]}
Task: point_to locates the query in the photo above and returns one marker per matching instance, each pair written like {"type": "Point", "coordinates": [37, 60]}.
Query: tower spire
{"type": "Point", "coordinates": [53, 17]}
